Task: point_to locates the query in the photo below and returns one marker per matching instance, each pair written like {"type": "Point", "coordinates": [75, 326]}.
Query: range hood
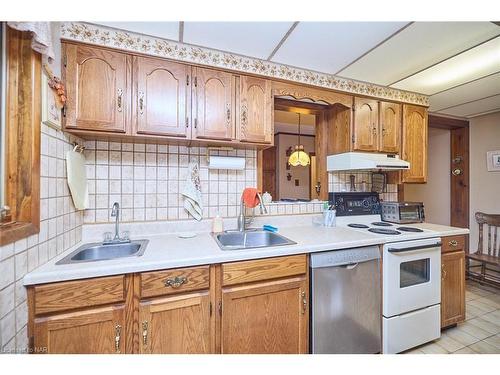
{"type": "Point", "coordinates": [365, 161]}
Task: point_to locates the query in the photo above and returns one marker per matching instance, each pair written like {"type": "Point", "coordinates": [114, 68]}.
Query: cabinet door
{"type": "Point", "coordinates": [256, 111]}
{"type": "Point", "coordinates": [365, 124]}
{"type": "Point", "coordinates": [179, 324]}
{"type": "Point", "coordinates": [214, 104]}
{"type": "Point", "coordinates": [89, 331]}
{"type": "Point", "coordinates": [98, 89]}
{"type": "Point", "coordinates": [415, 143]}
{"type": "Point", "coordinates": [162, 97]}
{"type": "Point", "coordinates": [390, 127]}
{"type": "Point", "coordinates": [268, 317]}
{"type": "Point", "coordinates": [452, 288]}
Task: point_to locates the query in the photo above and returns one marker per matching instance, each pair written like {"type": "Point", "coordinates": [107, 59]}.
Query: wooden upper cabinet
{"type": "Point", "coordinates": [180, 324]}
{"type": "Point", "coordinates": [415, 143]}
{"type": "Point", "coordinates": [90, 331]}
{"type": "Point", "coordinates": [213, 104]}
{"type": "Point", "coordinates": [390, 127]}
{"type": "Point", "coordinates": [266, 317]}
{"type": "Point", "coordinates": [365, 130]}
{"type": "Point", "coordinates": [255, 123]}
{"type": "Point", "coordinates": [452, 288]}
{"type": "Point", "coordinates": [98, 89]}
{"type": "Point", "coordinates": [162, 97]}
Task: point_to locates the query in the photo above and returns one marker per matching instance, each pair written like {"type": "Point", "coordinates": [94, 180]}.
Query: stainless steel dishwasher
{"type": "Point", "coordinates": [346, 301]}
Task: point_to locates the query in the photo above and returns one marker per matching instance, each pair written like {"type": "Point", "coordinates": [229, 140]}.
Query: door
{"type": "Point", "coordinates": [90, 331]}
{"type": "Point", "coordinates": [98, 89]}
{"type": "Point", "coordinates": [214, 104]}
{"type": "Point", "coordinates": [415, 143]}
{"type": "Point", "coordinates": [365, 124]}
{"type": "Point", "coordinates": [390, 127]}
{"type": "Point", "coordinates": [176, 325]}
{"type": "Point", "coordinates": [162, 97]}
{"type": "Point", "coordinates": [411, 272]}
{"type": "Point", "coordinates": [267, 318]}
{"type": "Point", "coordinates": [452, 288]}
{"type": "Point", "coordinates": [256, 111]}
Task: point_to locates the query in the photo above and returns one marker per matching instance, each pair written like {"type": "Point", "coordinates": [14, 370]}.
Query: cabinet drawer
{"type": "Point", "coordinates": [452, 243]}
{"type": "Point", "coordinates": [263, 269]}
{"type": "Point", "coordinates": [157, 283]}
{"type": "Point", "coordinates": [70, 295]}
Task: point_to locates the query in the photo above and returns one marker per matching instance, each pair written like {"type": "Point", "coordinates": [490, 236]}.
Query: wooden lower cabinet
{"type": "Point", "coordinates": [266, 318]}
{"type": "Point", "coordinates": [176, 325]}
{"type": "Point", "coordinates": [258, 306]}
{"type": "Point", "coordinates": [452, 288]}
{"type": "Point", "coordinates": [89, 331]}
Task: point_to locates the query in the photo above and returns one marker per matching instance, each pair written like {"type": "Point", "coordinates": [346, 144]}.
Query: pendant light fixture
{"type": "Point", "coordinates": [299, 157]}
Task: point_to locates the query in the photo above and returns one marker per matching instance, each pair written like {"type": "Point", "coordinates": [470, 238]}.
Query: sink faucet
{"type": "Point", "coordinates": [242, 219]}
{"type": "Point", "coordinates": [115, 212]}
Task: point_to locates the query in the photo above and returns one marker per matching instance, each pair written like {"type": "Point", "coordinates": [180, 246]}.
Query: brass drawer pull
{"type": "Point", "coordinates": [453, 243]}
{"type": "Point", "coordinates": [145, 333]}
{"type": "Point", "coordinates": [176, 282]}
{"type": "Point", "coordinates": [118, 334]}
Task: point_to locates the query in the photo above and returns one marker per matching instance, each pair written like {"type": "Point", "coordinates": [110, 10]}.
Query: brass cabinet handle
{"type": "Point", "coordinates": [176, 282]}
{"type": "Point", "coordinates": [244, 115]}
{"type": "Point", "coordinates": [119, 100]}
{"type": "Point", "coordinates": [383, 131]}
{"type": "Point", "coordinates": [453, 243]}
{"type": "Point", "coordinates": [443, 272]}
{"type": "Point", "coordinates": [228, 114]}
{"type": "Point", "coordinates": [118, 335]}
{"type": "Point", "coordinates": [304, 302]}
{"type": "Point", "coordinates": [374, 129]}
{"type": "Point", "coordinates": [145, 333]}
{"type": "Point", "coordinates": [187, 122]}
{"type": "Point", "coordinates": [141, 102]}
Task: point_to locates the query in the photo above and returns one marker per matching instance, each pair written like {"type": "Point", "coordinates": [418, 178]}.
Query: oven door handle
{"type": "Point", "coordinates": [396, 250]}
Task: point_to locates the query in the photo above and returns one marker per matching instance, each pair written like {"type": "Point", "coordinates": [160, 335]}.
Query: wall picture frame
{"type": "Point", "coordinates": [493, 161]}
{"type": "Point", "coordinates": [51, 114]}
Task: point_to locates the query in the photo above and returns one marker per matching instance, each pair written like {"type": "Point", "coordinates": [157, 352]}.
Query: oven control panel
{"type": "Point", "coordinates": [355, 203]}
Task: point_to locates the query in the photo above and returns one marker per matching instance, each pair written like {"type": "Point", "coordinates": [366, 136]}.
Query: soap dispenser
{"type": "Point", "coordinates": [217, 223]}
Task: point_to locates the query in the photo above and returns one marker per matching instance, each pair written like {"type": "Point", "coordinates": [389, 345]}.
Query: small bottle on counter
{"type": "Point", "coordinates": [217, 224]}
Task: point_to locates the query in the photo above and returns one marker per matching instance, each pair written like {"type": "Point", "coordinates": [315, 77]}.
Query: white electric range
{"type": "Point", "coordinates": [411, 272]}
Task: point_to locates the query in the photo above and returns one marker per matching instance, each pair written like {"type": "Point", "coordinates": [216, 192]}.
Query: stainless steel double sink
{"type": "Point", "coordinates": [250, 239]}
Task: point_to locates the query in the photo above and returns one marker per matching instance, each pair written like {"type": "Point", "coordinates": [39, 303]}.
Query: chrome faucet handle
{"type": "Point", "coordinates": [262, 206]}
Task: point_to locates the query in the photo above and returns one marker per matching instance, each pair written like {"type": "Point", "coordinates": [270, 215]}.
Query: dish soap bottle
{"type": "Point", "coordinates": [217, 224]}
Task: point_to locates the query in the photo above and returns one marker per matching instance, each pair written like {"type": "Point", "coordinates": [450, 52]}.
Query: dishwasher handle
{"type": "Point", "coordinates": [347, 258]}
{"type": "Point", "coordinates": [349, 266]}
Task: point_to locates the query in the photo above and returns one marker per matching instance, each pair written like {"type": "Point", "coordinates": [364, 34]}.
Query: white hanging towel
{"type": "Point", "coordinates": [77, 178]}
{"type": "Point", "coordinates": [192, 192]}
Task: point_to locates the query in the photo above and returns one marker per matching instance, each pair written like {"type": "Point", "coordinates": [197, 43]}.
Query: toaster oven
{"type": "Point", "coordinates": [402, 212]}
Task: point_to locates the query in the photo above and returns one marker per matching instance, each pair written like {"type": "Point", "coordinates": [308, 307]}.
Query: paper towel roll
{"type": "Point", "coordinates": [226, 162]}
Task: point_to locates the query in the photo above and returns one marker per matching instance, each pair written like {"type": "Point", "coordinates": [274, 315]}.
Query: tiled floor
{"type": "Point", "coordinates": [480, 333]}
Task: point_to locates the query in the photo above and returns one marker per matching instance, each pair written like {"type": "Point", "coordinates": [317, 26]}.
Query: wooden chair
{"type": "Point", "coordinates": [488, 259]}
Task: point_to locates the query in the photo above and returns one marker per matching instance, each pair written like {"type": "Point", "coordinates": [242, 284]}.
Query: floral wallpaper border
{"type": "Point", "coordinates": [134, 42]}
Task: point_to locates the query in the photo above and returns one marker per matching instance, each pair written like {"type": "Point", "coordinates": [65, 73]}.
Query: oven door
{"type": "Point", "coordinates": [411, 276]}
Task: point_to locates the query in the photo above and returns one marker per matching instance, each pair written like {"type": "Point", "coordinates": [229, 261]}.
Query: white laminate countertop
{"type": "Point", "coordinates": [169, 251]}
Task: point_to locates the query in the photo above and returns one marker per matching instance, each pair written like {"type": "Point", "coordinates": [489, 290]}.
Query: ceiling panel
{"type": "Point", "coordinates": [418, 46]}
{"type": "Point", "coordinates": [475, 108]}
{"type": "Point", "coordinates": [255, 39]}
{"type": "Point", "coordinates": [481, 88]}
{"type": "Point", "coordinates": [329, 46]}
{"type": "Point", "coordinates": [467, 66]}
{"type": "Point", "coordinates": [167, 30]}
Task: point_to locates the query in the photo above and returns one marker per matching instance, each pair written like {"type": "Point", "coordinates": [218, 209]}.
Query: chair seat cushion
{"type": "Point", "coordinates": [484, 258]}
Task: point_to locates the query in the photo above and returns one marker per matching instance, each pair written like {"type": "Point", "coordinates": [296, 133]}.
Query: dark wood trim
{"type": "Point", "coordinates": [459, 185]}
{"type": "Point", "coordinates": [296, 134]}
{"type": "Point", "coordinates": [22, 185]}
{"type": "Point", "coordinates": [447, 122]}
{"type": "Point", "coordinates": [289, 105]}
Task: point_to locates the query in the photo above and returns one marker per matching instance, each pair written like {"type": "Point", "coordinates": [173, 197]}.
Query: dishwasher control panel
{"type": "Point", "coordinates": [343, 257]}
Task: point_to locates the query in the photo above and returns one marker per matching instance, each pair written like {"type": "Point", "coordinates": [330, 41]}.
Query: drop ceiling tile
{"type": "Point", "coordinates": [417, 47]}
{"type": "Point", "coordinates": [475, 108]}
{"type": "Point", "coordinates": [329, 46]}
{"type": "Point", "coordinates": [467, 66]}
{"type": "Point", "coordinates": [478, 89]}
{"type": "Point", "coordinates": [255, 39]}
{"type": "Point", "coordinates": [167, 30]}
